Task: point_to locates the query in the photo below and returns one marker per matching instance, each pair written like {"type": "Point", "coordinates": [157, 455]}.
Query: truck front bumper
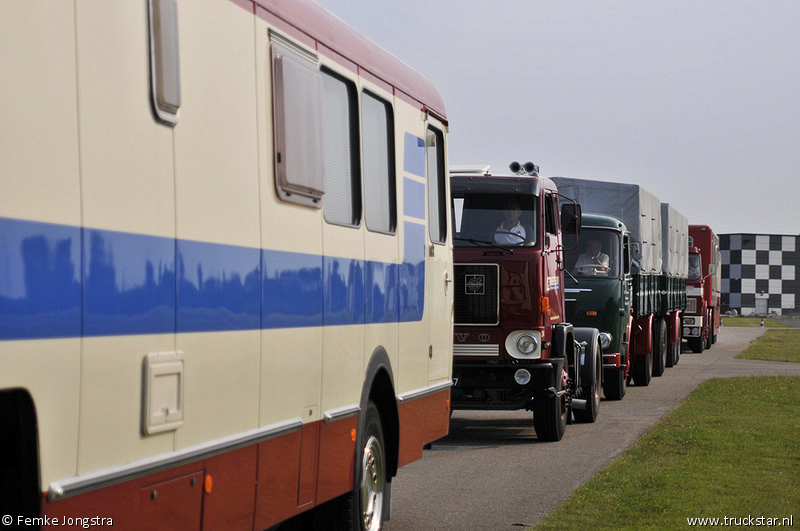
{"type": "Point", "coordinates": [496, 385]}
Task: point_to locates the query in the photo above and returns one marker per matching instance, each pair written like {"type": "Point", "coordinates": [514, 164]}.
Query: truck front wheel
{"type": "Point", "coordinates": [591, 381]}
{"type": "Point", "coordinates": [550, 412]}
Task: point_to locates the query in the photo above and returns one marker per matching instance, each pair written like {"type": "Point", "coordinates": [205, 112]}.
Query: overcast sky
{"type": "Point", "coordinates": [696, 101]}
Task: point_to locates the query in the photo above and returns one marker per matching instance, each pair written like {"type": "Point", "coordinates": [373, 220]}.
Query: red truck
{"type": "Point", "coordinates": [702, 317]}
{"type": "Point", "coordinates": [513, 348]}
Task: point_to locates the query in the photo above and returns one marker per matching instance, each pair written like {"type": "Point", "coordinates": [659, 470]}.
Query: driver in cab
{"type": "Point", "coordinates": [593, 261]}
{"type": "Point", "coordinates": [511, 231]}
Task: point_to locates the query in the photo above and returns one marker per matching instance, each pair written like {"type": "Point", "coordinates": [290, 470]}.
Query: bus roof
{"type": "Point", "coordinates": [328, 31]}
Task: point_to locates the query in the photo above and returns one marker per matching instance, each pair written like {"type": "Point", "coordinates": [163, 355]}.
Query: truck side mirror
{"type": "Point", "coordinates": [712, 269]}
{"type": "Point", "coordinates": [570, 218]}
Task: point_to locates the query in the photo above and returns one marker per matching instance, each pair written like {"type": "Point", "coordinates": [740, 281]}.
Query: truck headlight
{"type": "Point", "coordinates": [605, 340]}
{"type": "Point", "coordinates": [526, 344]}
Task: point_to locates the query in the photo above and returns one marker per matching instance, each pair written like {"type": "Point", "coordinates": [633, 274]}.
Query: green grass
{"type": "Point", "coordinates": [775, 345]}
{"type": "Point", "coordinates": [752, 322]}
{"type": "Point", "coordinates": [731, 449]}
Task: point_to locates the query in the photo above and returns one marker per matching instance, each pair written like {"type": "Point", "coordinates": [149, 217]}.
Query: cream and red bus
{"type": "Point", "coordinates": [225, 265]}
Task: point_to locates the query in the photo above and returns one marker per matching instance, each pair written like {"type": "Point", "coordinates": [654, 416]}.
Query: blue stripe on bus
{"type": "Point", "coordinates": [414, 155]}
{"type": "Point", "coordinates": [58, 281]}
{"type": "Point", "coordinates": [414, 199]}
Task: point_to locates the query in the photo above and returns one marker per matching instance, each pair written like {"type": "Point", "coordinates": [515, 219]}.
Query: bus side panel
{"type": "Point", "coordinates": [230, 497]}
{"type": "Point", "coordinates": [128, 209]}
{"type": "Point", "coordinates": [278, 481]}
{"type": "Point", "coordinates": [336, 458]}
{"type": "Point", "coordinates": [415, 434]}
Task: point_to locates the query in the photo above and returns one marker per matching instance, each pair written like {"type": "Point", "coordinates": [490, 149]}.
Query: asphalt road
{"type": "Point", "coordinates": [492, 474]}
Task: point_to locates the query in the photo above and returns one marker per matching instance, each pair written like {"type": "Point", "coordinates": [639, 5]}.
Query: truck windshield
{"type": "Point", "coordinates": [597, 254]}
{"type": "Point", "coordinates": [694, 266]}
{"type": "Point", "coordinates": [507, 220]}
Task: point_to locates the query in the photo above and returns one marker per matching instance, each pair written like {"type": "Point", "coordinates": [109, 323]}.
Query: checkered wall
{"type": "Point", "coordinates": [760, 273]}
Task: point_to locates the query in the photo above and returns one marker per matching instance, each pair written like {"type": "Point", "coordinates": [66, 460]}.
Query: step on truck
{"type": "Point", "coordinates": [702, 318]}
{"type": "Point", "coordinates": [513, 348]}
{"type": "Point", "coordinates": [627, 278]}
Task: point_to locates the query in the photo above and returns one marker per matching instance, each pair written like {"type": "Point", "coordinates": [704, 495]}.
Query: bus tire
{"type": "Point", "coordinates": [369, 494]}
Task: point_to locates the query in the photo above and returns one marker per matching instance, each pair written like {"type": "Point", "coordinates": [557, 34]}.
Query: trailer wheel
{"type": "Point", "coordinates": [550, 412]}
{"type": "Point", "coordinates": [614, 384]}
{"type": "Point", "coordinates": [673, 352]}
{"type": "Point", "coordinates": [591, 392]}
{"type": "Point", "coordinates": [659, 347]}
{"type": "Point", "coordinates": [640, 371]}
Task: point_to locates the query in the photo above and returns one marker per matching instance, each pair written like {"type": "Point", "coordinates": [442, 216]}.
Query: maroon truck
{"type": "Point", "coordinates": [512, 347]}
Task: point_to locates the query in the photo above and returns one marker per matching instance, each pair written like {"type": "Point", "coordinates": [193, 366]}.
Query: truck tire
{"type": "Point", "coordinates": [641, 370]}
{"type": "Point", "coordinates": [614, 384]}
{"type": "Point", "coordinates": [673, 351]}
{"type": "Point", "coordinates": [591, 371]}
{"type": "Point", "coordinates": [659, 347]}
{"type": "Point", "coordinates": [697, 344]}
{"type": "Point", "coordinates": [550, 413]}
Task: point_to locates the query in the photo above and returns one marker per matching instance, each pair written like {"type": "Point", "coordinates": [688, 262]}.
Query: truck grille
{"type": "Point", "coordinates": [477, 294]}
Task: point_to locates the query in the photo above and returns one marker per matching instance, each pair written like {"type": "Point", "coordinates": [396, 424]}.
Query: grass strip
{"type": "Point", "coordinates": [752, 322]}
{"type": "Point", "coordinates": [774, 345]}
{"type": "Point", "coordinates": [731, 449]}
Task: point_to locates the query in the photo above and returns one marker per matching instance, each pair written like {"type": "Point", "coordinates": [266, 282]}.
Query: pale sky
{"type": "Point", "coordinates": [696, 101]}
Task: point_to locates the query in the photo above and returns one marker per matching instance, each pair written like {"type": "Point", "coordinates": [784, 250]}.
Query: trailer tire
{"type": "Point", "coordinates": [641, 370]}
{"type": "Point", "coordinates": [659, 347]}
{"type": "Point", "coordinates": [550, 413]}
{"type": "Point", "coordinates": [614, 384]}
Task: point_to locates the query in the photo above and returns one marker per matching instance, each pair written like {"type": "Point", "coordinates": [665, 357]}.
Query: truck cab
{"type": "Point", "coordinates": [599, 292]}
{"type": "Point", "coordinates": [512, 347]}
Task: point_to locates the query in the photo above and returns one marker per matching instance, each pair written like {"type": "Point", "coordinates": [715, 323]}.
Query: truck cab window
{"type": "Point", "coordinates": [597, 254]}
{"type": "Point", "coordinates": [494, 219]}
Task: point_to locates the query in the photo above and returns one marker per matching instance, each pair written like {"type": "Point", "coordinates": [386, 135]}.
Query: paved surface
{"type": "Point", "coordinates": [492, 474]}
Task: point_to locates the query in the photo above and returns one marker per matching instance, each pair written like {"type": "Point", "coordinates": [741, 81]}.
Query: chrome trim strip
{"type": "Point", "coordinates": [340, 413]}
{"type": "Point", "coordinates": [150, 465]}
{"type": "Point", "coordinates": [427, 391]}
{"type": "Point", "coordinates": [476, 350]}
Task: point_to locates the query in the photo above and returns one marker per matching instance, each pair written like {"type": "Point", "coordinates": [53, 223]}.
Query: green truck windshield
{"type": "Point", "coordinates": [597, 254]}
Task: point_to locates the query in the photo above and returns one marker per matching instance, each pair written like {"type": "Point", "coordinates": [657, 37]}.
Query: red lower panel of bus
{"type": "Point", "coordinates": [249, 488]}
{"type": "Point", "coordinates": [422, 421]}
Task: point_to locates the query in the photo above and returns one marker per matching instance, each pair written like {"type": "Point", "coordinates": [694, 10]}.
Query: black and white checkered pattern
{"type": "Point", "coordinates": [760, 273]}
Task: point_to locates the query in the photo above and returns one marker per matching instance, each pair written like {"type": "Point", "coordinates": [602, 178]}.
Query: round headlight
{"type": "Point", "coordinates": [605, 340]}
{"type": "Point", "coordinates": [522, 376]}
{"type": "Point", "coordinates": [526, 343]}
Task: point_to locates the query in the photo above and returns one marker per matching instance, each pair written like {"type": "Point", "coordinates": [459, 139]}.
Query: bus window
{"type": "Point", "coordinates": [436, 186]}
{"type": "Point", "coordinates": [297, 103]}
{"type": "Point", "coordinates": [377, 141]}
{"type": "Point", "coordinates": [165, 73]}
{"type": "Point", "coordinates": [340, 140]}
